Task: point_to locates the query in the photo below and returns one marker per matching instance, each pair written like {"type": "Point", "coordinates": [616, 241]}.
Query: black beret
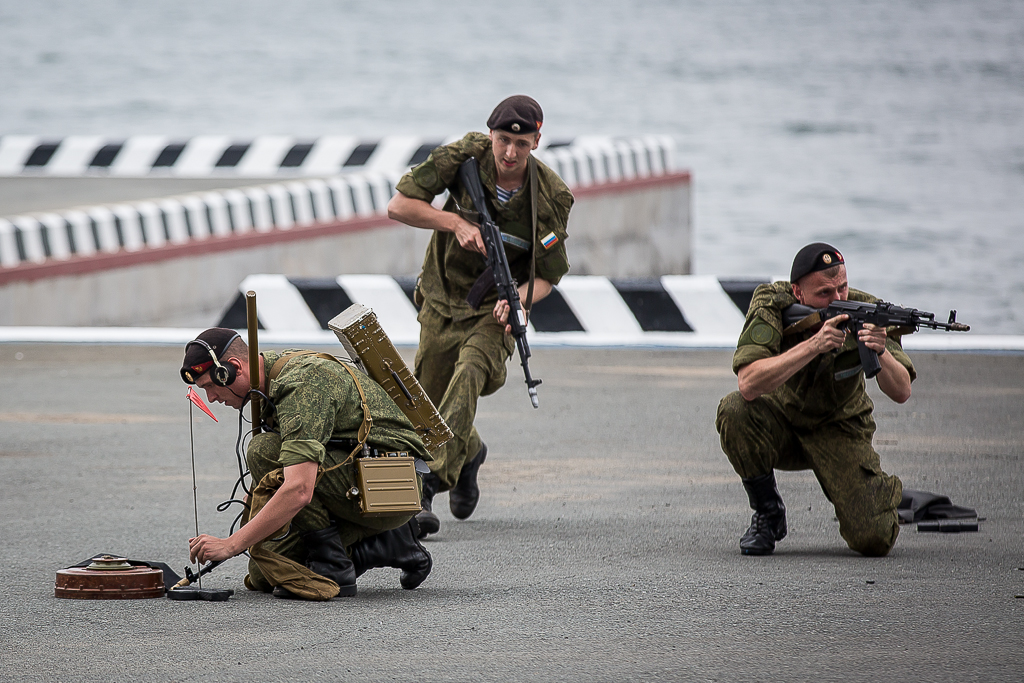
{"type": "Point", "coordinates": [814, 257]}
{"type": "Point", "coordinates": [517, 114]}
{"type": "Point", "coordinates": [197, 352]}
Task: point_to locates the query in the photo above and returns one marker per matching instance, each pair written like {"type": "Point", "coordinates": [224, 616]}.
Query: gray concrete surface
{"type": "Point", "coordinates": [604, 548]}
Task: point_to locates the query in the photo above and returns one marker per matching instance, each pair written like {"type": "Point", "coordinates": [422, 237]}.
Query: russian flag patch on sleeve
{"type": "Point", "coordinates": [550, 240]}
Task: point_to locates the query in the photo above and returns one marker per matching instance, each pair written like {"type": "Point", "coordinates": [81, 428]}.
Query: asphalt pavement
{"type": "Point", "coordinates": [604, 547]}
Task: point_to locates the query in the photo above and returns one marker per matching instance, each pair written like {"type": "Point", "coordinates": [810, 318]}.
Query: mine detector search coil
{"type": "Point", "coordinates": [387, 484]}
{"type": "Point", "coordinates": [798, 318]}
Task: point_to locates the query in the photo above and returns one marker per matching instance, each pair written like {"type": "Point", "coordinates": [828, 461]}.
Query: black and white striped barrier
{"type": "Point", "coordinates": [206, 155]}
{"type": "Point", "coordinates": [673, 310]}
{"type": "Point", "coordinates": [270, 156]}
{"type": "Point", "coordinates": [193, 218]}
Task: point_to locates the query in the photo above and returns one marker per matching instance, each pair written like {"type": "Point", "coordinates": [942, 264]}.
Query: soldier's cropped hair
{"type": "Point", "coordinates": [237, 349]}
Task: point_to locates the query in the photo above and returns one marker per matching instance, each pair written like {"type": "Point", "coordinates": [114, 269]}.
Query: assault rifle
{"type": "Point", "coordinates": [497, 264]}
{"type": "Point", "coordinates": [797, 318]}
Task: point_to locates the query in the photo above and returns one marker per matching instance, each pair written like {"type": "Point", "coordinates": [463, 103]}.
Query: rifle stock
{"type": "Point", "coordinates": [497, 262]}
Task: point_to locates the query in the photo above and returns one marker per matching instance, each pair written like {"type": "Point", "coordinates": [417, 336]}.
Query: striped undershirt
{"type": "Point", "coordinates": [505, 195]}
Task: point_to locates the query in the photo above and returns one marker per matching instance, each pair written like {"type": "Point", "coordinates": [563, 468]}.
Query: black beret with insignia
{"type": "Point", "coordinates": [814, 257]}
{"type": "Point", "coordinates": [198, 358]}
{"type": "Point", "coordinates": [517, 114]}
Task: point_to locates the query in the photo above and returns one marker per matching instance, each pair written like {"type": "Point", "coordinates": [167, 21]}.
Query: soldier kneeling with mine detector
{"type": "Point", "coordinates": [303, 528]}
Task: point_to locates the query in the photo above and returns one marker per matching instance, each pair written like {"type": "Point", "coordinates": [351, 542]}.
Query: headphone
{"type": "Point", "coordinates": [221, 375]}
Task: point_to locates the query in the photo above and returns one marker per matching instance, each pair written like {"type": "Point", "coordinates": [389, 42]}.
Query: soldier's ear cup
{"type": "Point", "coordinates": [223, 375]}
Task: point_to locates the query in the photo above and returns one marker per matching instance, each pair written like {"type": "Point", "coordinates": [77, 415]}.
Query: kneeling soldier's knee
{"type": "Point", "coordinates": [873, 540]}
{"type": "Point", "coordinates": [730, 409]}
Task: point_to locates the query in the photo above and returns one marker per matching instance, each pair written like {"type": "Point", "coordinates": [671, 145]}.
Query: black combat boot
{"type": "Point", "coordinates": [427, 520]}
{"type": "Point", "coordinates": [768, 524]}
{"type": "Point", "coordinates": [399, 548]}
{"type": "Point", "coordinates": [327, 557]}
{"type": "Point", "coordinates": [463, 498]}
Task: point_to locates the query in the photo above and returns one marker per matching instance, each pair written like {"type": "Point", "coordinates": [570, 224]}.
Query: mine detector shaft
{"type": "Point", "coordinates": [798, 318]}
{"type": "Point", "coordinates": [497, 267]}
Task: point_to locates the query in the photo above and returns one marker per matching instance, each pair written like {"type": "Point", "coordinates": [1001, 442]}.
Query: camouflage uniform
{"type": "Point", "coordinates": [814, 421]}
{"type": "Point", "coordinates": [316, 400]}
{"type": "Point", "coordinates": [462, 351]}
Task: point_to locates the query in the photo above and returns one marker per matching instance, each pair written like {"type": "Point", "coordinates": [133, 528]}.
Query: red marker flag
{"type": "Point", "coordinates": [194, 397]}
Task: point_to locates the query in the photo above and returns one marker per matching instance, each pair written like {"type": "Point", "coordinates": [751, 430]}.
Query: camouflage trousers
{"type": "Point", "coordinates": [456, 364]}
{"type": "Point", "coordinates": [758, 438]}
{"type": "Point", "coordinates": [330, 505]}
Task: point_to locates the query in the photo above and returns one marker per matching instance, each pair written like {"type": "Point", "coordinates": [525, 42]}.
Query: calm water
{"type": "Point", "coordinates": [893, 129]}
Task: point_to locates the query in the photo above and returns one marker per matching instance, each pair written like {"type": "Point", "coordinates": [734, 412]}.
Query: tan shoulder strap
{"type": "Point", "coordinates": [803, 325]}
{"type": "Point", "coordinates": [279, 364]}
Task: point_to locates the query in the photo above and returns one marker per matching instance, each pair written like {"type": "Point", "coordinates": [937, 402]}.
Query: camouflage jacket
{"type": "Point", "coordinates": [316, 400]}
{"type": "Point", "coordinates": [449, 271]}
{"type": "Point", "coordinates": [813, 395]}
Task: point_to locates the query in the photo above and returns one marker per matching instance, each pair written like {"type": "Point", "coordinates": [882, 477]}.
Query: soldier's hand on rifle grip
{"type": "Point", "coordinates": [832, 334]}
{"type": "Point", "coordinates": [873, 337]}
{"type": "Point", "coordinates": [468, 235]}
{"type": "Point", "coordinates": [501, 310]}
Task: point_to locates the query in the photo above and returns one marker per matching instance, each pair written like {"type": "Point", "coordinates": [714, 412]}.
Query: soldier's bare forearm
{"type": "Point", "coordinates": [294, 494]}
{"type": "Point", "coordinates": [419, 214]}
{"type": "Point", "coordinates": [768, 374]}
{"type": "Point", "coordinates": [893, 379]}
{"type": "Point", "coordinates": [541, 288]}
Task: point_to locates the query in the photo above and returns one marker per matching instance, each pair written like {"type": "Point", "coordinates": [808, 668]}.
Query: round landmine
{"type": "Point", "coordinates": [109, 578]}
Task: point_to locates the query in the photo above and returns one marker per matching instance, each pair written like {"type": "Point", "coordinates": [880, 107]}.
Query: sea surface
{"type": "Point", "coordinates": [892, 129]}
